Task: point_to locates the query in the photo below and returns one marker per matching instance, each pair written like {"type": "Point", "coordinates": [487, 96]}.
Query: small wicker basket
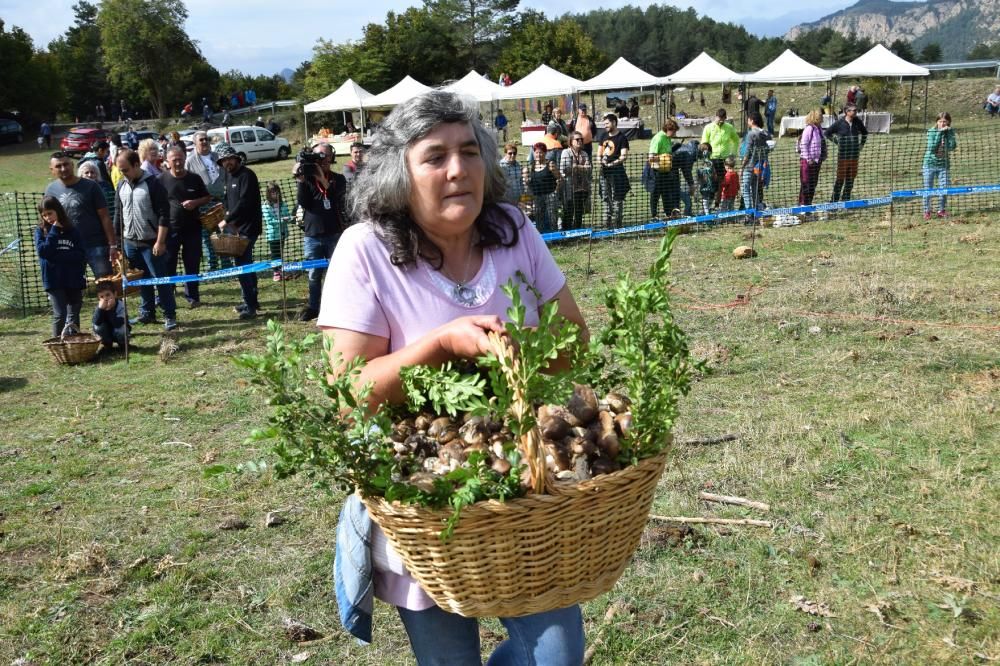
{"type": "Point", "coordinates": [73, 349]}
{"type": "Point", "coordinates": [229, 245]}
{"type": "Point", "coordinates": [115, 281]}
{"type": "Point", "coordinates": [565, 544]}
{"type": "Point", "coordinates": [212, 216]}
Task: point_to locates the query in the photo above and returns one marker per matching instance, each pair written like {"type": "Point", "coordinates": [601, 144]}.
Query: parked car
{"type": "Point", "coordinates": [81, 140]}
{"type": "Point", "coordinates": [252, 143]}
{"type": "Point", "coordinates": [11, 131]}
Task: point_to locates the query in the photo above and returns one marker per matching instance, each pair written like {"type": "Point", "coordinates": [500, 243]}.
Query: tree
{"type": "Point", "coordinates": [77, 55]}
{"type": "Point", "coordinates": [902, 49]}
{"type": "Point", "coordinates": [333, 64]}
{"type": "Point", "coordinates": [476, 25]}
{"type": "Point", "coordinates": [145, 47]}
{"type": "Point", "coordinates": [29, 80]}
{"type": "Point", "coordinates": [837, 52]}
{"type": "Point", "coordinates": [562, 45]}
{"type": "Point", "coordinates": [983, 51]}
{"type": "Point", "coordinates": [931, 53]}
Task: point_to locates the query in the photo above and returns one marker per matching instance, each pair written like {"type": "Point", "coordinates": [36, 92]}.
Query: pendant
{"type": "Point", "coordinates": [463, 294]}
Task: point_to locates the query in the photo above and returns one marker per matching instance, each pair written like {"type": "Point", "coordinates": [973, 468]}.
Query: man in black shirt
{"type": "Point", "coordinates": [244, 217]}
{"type": "Point", "coordinates": [186, 192]}
{"type": "Point", "coordinates": [614, 180]}
{"type": "Point", "coordinates": [321, 195]}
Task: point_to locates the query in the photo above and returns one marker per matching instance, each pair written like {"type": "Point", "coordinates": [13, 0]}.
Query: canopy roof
{"type": "Point", "coordinates": [406, 89]}
{"type": "Point", "coordinates": [621, 75]}
{"type": "Point", "coordinates": [789, 68]}
{"type": "Point", "coordinates": [347, 97]}
{"type": "Point", "coordinates": [475, 86]}
{"type": "Point", "coordinates": [880, 61]}
{"type": "Point", "coordinates": [543, 82]}
{"type": "Point", "coordinates": [703, 69]}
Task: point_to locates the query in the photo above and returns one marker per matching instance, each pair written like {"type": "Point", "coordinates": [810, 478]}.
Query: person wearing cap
{"type": "Point", "coordinates": [244, 217]}
{"type": "Point", "coordinates": [614, 181]}
{"type": "Point", "coordinates": [725, 142]}
{"type": "Point", "coordinates": [587, 128]}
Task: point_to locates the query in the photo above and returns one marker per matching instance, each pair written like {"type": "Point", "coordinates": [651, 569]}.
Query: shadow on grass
{"type": "Point", "coordinates": [12, 383]}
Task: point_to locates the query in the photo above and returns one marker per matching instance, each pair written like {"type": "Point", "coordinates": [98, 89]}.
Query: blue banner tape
{"type": "Point", "coordinates": [555, 236]}
{"type": "Point", "coordinates": [934, 192]}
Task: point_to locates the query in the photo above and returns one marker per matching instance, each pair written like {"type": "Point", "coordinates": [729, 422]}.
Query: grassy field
{"type": "Point", "coordinates": [861, 379]}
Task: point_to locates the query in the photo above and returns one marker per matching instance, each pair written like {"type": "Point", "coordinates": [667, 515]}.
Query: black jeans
{"type": "Point", "coordinates": [66, 304]}
{"type": "Point", "coordinates": [248, 281]}
{"type": "Point", "coordinates": [186, 246]}
{"type": "Point", "coordinates": [667, 186]}
{"type": "Point", "coordinates": [576, 206]}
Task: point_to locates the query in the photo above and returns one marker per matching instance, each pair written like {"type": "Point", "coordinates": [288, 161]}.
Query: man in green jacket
{"type": "Point", "coordinates": [725, 142]}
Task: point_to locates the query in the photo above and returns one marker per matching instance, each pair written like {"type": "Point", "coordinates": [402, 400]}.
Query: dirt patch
{"type": "Point", "coordinates": [984, 381]}
{"type": "Point", "coordinates": [668, 536]}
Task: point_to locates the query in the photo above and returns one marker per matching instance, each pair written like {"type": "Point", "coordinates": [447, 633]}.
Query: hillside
{"type": "Point", "coordinates": [957, 25]}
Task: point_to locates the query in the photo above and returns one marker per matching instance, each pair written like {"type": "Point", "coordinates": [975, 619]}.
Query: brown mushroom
{"type": "Point", "coordinates": [608, 439]}
{"type": "Point", "coordinates": [581, 470]}
{"type": "Point", "coordinates": [580, 447]}
{"type": "Point", "coordinates": [583, 404]}
{"type": "Point", "coordinates": [422, 480]}
{"type": "Point", "coordinates": [452, 451]}
{"type": "Point", "coordinates": [438, 426]}
{"type": "Point", "coordinates": [422, 422]}
{"type": "Point", "coordinates": [552, 425]}
{"type": "Point", "coordinates": [617, 402]}
{"type": "Point", "coordinates": [604, 466]}
{"type": "Point", "coordinates": [420, 445]}
{"type": "Point", "coordinates": [623, 423]}
{"type": "Point", "coordinates": [556, 456]}
{"type": "Point", "coordinates": [501, 466]}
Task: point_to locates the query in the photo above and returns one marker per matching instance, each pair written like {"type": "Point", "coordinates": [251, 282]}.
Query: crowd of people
{"type": "Point", "coordinates": [145, 204]}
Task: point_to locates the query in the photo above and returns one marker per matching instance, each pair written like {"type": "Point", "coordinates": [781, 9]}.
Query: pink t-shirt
{"type": "Point", "coordinates": [364, 292]}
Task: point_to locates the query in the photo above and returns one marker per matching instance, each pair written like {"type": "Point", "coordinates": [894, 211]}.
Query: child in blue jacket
{"type": "Point", "coordinates": [60, 254]}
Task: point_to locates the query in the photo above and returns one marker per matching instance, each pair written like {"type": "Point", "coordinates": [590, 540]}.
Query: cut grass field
{"type": "Point", "coordinates": [862, 381]}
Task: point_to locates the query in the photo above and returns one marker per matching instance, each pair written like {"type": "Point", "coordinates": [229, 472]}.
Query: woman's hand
{"type": "Point", "coordinates": [467, 337]}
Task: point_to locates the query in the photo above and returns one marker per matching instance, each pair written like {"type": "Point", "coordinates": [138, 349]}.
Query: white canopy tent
{"type": "Point", "coordinates": [789, 68]}
{"type": "Point", "coordinates": [543, 82]}
{"type": "Point", "coordinates": [879, 61]}
{"type": "Point", "coordinates": [703, 69]}
{"type": "Point", "coordinates": [348, 97]}
{"type": "Point", "coordinates": [475, 86]}
{"type": "Point", "coordinates": [621, 75]}
{"type": "Point", "coordinates": [406, 89]}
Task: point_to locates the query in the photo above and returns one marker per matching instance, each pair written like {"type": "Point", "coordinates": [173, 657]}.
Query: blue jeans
{"type": "Point", "coordinates": [142, 257]}
{"type": "Point", "coordinates": [318, 247]}
{"type": "Point", "coordinates": [440, 638]}
{"type": "Point", "coordinates": [99, 260]}
{"type": "Point", "coordinates": [770, 123]}
{"type": "Point", "coordinates": [248, 281]}
{"type": "Point", "coordinates": [748, 188]}
{"type": "Point", "coordinates": [930, 174]}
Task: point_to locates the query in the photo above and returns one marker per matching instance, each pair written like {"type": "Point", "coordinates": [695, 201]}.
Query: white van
{"type": "Point", "coordinates": [252, 143]}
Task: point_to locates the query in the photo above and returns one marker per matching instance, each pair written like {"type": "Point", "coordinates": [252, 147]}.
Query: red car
{"type": "Point", "coordinates": [81, 140]}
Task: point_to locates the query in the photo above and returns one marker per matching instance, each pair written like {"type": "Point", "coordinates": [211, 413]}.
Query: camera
{"type": "Point", "coordinates": [309, 162]}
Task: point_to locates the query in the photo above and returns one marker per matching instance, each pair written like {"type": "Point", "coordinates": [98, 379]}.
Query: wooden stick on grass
{"type": "Point", "coordinates": [738, 501]}
{"type": "Point", "coordinates": [749, 522]}
{"type": "Point", "coordinates": [730, 437]}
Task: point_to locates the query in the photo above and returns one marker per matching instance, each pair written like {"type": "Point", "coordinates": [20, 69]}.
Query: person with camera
{"type": "Point", "coordinates": [321, 196]}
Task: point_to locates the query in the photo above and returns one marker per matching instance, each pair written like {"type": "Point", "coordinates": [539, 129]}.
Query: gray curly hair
{"type": "Point", "coordinates": [381, 194]}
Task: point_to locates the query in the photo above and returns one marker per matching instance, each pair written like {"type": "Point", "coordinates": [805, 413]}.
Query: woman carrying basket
{"type": "Point", "coordinates": [418, 282]}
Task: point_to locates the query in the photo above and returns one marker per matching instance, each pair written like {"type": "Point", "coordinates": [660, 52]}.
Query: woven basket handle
{"type": "Point", "coordinates": [531, 442]}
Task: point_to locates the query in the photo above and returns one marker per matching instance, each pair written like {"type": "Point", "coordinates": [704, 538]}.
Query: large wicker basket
{"type": "Point", "coordinates": [73, 349]}
{"type": "Point", "coordinates": [115, 281]}
{"type": "Point", "coordinates": [565, 545]}
{"type": "Point", "coordinates": [212, 216]}
{"type": "Point", "coordinates": [229, 245]}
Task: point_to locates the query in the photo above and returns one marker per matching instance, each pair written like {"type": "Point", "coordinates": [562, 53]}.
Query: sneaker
{"type": "Point", "coordinates": [194, 304]}
{"type": "Point", "coordinates": [169, 323]}
{"type": "Point", "coordinates": [248, 313]}
{"type": "Point", "coordinates": [277, 276]}
{"type": "Point", "coordinates": [942, 213]}
{"type": "Point", "coordinates": [927, 216]}
{"type": "Point", "coordinates": [143, 318]}
{"type": "Point", "coordinates": [306, 314]}
{"type": "Point", "coordinates": [240, 309]}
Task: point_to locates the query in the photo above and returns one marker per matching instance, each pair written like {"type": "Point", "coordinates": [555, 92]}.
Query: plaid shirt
{"type": "Point", "coordinates": [940, 143]}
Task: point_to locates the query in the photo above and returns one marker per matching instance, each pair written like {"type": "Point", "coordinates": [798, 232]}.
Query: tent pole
{"type": "Point", "coordinates": [927, 85]}
{"type": "Point", "coordinates": [910, 106]}
{"type": "Point", "coordinates": [305, 125]}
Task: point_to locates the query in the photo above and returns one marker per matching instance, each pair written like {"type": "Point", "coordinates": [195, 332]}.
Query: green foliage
{"type": "Point", "coordinates": [562, 45]}
{"type": "Point", "coordinates": [30, 82]}
{"type": "Point", "coordinates": [78, 56]}
{"type": "Point", "coordinates": [882, 92]}
{"type": "Point", "coordinates": [983, 51]}
{"type": "Point", "coordinates": [446, 390]}
{"type": "Point", "coordinates": [931, 53]}
{"type": "Point", "coordinates": [477, 26]}
{"type": "Point", "coordinates": [902, 49]}
{"type": "Point", "coordinates": [651, 354]}
{"type": "Point", "coordinates": [145, 46]}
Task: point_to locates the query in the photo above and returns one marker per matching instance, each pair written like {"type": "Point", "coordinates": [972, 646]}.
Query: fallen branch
{"type": "Point", "coordinates": [730, 437]}
{"type": "Point", "coordinates": [598, 638]}
{"type": "Point", "coordinates": [714, 521]}
{"type": "Point", "coordinates": [738, 501]}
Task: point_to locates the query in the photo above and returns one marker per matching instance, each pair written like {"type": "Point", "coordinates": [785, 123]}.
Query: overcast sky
{"type": "Point", "coordinates": [264, 36]}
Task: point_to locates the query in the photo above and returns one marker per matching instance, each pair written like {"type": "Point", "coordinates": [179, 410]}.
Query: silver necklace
{"type": "Point", "coordinates": [462, 292]}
